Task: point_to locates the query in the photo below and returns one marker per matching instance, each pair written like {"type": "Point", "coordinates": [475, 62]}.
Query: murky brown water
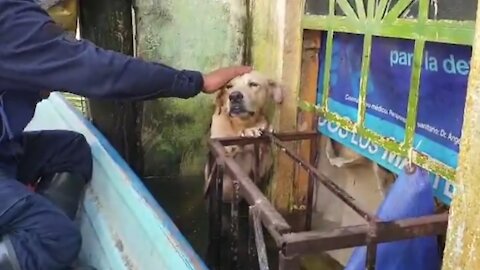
{"type": "Point", "coordinates": [182, 199]}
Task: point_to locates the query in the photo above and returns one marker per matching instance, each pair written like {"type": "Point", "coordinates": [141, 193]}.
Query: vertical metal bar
{"type": "Point", "coordinates": [370, 261]}
{"type": "Point", "coordinates": [252, 248]}
{"type": "Point", "coordinates": [413, 95]}
{"type": "Point", "coordinates": [371, 256]}
{"type": "Point", "coordinates": [234, 224]}
{"type": "Point", "coordinates": [256, 171]}
{"type": "Point", "coordinates": [328, 59]}
{"type": "Point", "coordinates": [309, 93]}
{"type": "Point", "coordinates": [367, 49]}
{"type": "Point", "coordinates": [212, 243]}
{"type": "Point", "coordinates": [219, 193]}
{"type": "Point", "coordinates": [288, 263]}
{"type": "Point", "coordinates": [259, 239]}
{"type": "Point", "coordinates": [328, 66]}
{"type": "Point", "coordinates": [311, 184]}
{"type": "Point", "coordinates": [215, 213]}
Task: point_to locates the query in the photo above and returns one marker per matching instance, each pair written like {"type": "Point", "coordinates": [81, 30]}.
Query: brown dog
{"type": "Point", "coordinates": [242, 109]}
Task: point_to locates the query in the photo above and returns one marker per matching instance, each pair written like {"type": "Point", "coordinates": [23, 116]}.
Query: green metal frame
{"type": "Point", "coordinates": [376, 20]}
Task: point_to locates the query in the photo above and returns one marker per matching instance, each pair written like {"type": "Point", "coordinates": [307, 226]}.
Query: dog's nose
{"type": "Point", "coordinates": [236, 96]}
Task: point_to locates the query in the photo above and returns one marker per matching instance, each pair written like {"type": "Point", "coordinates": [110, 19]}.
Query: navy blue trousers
{"type": "Point", "coordinates": [43, 237]}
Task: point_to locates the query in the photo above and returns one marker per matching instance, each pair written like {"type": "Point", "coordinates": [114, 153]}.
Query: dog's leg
{"type": "Point", "coordinates": [255, 131]}
{"type": "Point", "coordinates": [384, 179]}
{"type": "Point", "coordinates": [227, 189]}
{"type": "Point", "coordinates": [232, 150]}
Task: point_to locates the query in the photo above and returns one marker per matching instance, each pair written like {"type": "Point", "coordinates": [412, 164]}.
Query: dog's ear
{"type": "Point", "coordinates": [220, 100]}
{"type": "Point", "coordinates": [276, 91]}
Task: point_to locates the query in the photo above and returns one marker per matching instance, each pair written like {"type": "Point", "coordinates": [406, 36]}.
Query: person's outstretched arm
{"type": "Point", "coordinates": [36, 54]}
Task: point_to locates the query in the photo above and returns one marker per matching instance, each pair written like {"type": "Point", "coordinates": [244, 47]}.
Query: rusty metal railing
{"type": "Point", "coordinates": [292, 245]}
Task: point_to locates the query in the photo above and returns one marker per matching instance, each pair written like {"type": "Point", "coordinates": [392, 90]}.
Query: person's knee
{"type": "Point", "coordinates": [76, 153]}
{"type": "Point", "coordinates": [82, 151]}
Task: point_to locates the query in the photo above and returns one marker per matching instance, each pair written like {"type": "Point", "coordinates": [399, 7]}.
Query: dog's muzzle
{"type": "Point", "coordinates": [237, 105]}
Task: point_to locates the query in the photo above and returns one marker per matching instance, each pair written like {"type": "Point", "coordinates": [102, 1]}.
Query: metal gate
{"type": "Point", "coordinates": [290, 245]}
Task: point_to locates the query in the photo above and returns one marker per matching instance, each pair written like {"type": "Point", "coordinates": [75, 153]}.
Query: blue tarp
{"type": "Point", "coordinates": [410, 196]}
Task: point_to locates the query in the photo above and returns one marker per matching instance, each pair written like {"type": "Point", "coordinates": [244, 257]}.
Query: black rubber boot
{"type": "Point", "coordinates": [64, 190]}
{"type": "Point", "coordinates": [8, 258]}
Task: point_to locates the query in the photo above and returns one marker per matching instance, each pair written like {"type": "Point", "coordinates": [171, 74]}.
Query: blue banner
{"type": "Point", "coordinates": [443, 85]}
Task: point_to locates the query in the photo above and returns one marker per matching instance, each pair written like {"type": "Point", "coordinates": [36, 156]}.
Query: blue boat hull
{"type": "Point", "coordinates": [123, 226]}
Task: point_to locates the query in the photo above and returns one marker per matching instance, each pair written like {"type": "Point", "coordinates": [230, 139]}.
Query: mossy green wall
{"type": "Point", "coordinates": [267, 36]}
{"type": "Point", "coordinates": [186, 34]}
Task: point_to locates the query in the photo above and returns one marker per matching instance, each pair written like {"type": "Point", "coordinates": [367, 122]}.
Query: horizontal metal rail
{"type": "Point", "coordinates": [292, 245]}
{"type": "Point", "coordinates": [351, 236]}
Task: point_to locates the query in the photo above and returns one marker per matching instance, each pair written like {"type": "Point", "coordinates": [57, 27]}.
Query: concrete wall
{"type": "Point", "coordinates": [187, 34]}
{"type": "Point", "coordinates": [276, 51]}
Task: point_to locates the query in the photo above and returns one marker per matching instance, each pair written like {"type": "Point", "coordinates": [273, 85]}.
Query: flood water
{"type": "Point", "coordinates": [182, 199]}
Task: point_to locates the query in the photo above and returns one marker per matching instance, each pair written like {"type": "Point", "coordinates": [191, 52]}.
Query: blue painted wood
{"type": "Point", "coordinates": [122, 224]}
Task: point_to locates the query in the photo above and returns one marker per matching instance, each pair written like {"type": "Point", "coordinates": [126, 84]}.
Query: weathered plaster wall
{"type": "Point", "coordinates": [463, 237]}
{"type": "Point", "coordinates": [276, 51]}
{"type": "Point", "coordinates": [267, 17]}
{"type": "Point", "coordinates": [187, 34]}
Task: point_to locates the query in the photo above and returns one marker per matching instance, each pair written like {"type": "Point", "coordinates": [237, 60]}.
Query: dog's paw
{"type": "Point", "coordinates": [232, 150]}
{"type": "Point", "coordinates": [252, 132]}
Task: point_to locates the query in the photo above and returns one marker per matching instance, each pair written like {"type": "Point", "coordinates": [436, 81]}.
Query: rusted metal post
{"type": "Point", "coordinates": [234, 226]}
{"type": "Point", "coordinates": [289, 27]}
{"type": "Point", "coordinates": [311, 182]}
{"type": "Point", "coordinates": [371, 246]}
{"type": "Point", "coordinates": [252, 246]}
{"type": "Point", "coordinates": [288, 263]}
{"type": "Point", "coordinates": [259, 239]}
{"type": "Point", "coordinates": [306, 122]}
{"type": "Point", "coordinates": [215, 203]}
{"type": "Point", "coordinates": [463, 241]}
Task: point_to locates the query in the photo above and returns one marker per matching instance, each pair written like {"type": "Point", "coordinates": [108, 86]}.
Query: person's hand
{"type": "Point", "coordinates": [215, 80]}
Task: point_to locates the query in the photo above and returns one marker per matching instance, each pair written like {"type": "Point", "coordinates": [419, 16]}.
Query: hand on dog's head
{"type": "Point", "coordinates": [249, 95]}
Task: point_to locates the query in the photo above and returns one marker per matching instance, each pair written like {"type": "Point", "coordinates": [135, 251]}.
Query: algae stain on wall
{"type": "Point", "coordinates": [266, 37]}
{"type": "Point", "coordinates": [186, 34]}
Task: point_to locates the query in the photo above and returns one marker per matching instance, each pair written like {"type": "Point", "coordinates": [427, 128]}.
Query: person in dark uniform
{"type": "Point", "coordinates": [37, 231]}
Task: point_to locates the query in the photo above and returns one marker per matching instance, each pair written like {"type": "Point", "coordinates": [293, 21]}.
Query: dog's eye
{"type": "Point", "coordinates": [228, 86]}
{"type": "Point", "coordinates": [253, 84]}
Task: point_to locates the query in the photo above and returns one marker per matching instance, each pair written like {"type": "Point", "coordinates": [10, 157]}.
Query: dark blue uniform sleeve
{"type": "Point", "coordinates": [36, 54]}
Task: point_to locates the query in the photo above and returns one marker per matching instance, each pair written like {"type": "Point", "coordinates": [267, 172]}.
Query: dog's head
{"type": "Point", "coordinates": [248, 95]}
